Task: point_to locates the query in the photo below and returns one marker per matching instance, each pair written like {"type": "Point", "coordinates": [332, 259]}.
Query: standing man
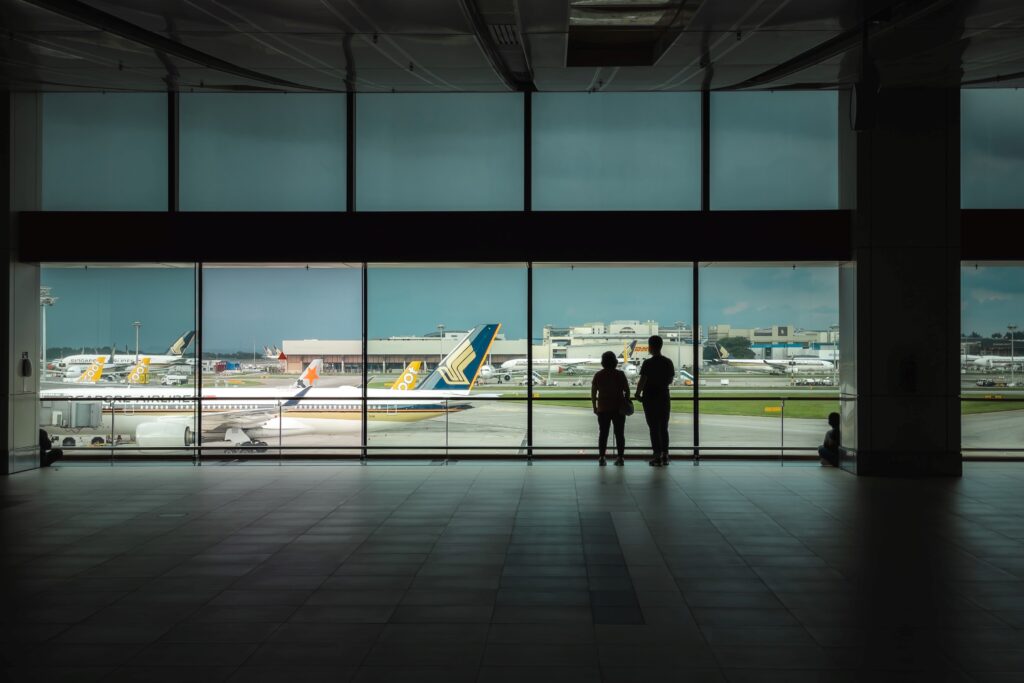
{"type": "Point", "coordinates": [656, 375]}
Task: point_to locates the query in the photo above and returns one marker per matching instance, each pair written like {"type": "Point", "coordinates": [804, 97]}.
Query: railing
{"type": "Point", "coordinates": [114, 437]}
{"type": "Point", "coordinates": [1013, 449]}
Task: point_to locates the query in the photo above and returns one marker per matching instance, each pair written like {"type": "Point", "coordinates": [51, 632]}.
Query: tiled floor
{"type": "Point", "coordinates": [499, 572]}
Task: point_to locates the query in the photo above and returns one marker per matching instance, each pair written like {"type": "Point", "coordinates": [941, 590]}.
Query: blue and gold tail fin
{"type": "Point", "coordinates": [181, 343]}
{"type": "Point", "coordinates": [460, 368]}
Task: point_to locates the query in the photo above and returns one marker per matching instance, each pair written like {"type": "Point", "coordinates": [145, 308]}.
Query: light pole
{"type": "Point", "coordinates": [45, 300]}
{"type": "Point", "coordinates": [440, 334]}
{"type": "Point", "coordinates": [137, 325]}
{"type": "Point", "coordinates": [1012, 330]}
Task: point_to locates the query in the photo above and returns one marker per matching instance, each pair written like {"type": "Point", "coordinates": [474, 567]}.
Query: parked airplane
{"type": "Point", "coordinates": [517, 366]}
{"type": "Point", "coordinates": [165, 417]}
{"type": "Point", "coordinates": [173, 356]}
{"type": "Point", "coordinates": [989, 361]}
{"type": "Point", "coordinates": [98, 372]}
{"type": "Point", "coordinates": [782, 366]}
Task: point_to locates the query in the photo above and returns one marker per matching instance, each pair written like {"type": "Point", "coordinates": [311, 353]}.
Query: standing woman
{"type": "Point", "coordinates": [609, 392]}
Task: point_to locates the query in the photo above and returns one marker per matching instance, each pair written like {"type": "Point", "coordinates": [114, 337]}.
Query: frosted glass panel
{"type": "Point", "coordinates": [104, 152]}
{"type": "Point", "coordinates": [992, 149]}
{"type": "Point", "coordinates": [262, 152]}
{"type": "Point", "coordinates": [446, 152]}
{"type": "Point", "coordinates": [774, 150]}
{"type": "Point", "coordinates": [626, 151]}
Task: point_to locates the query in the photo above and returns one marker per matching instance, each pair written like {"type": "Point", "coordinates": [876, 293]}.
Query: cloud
{"type": "Point", "coordinates": [738, 307]}
{"type": "Point", "coordinates": [983, 296]}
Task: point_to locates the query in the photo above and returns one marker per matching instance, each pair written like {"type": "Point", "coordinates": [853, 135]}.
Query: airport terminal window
{"type": "Point", "coordinates": [581, 311]}
{"type": "Point", "coordinates": [774, 150]}
{"type": "Point", "coordinates": [616, 151]}
{"type": "Point", "coordinates": [439, 152]}
{"type": "Point", "coordinates": [992, 149]}
{"type": "Point", "coordinates": [435, 331]}
{"type": "Point", "coordinates": [104, 152]}
{"type": "Point", "coordinates": [771, 354]}
{"type": "Point", "coordinates": [288, 338]}
{"type": "Point", "coordinates": [119, 360]}
{"type": "Point", "coordinates": [991, 363]}
{"type": "Point", "coordinates": [262, 152]}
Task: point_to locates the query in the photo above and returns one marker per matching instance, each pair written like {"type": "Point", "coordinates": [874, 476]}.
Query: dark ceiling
{"type": "Point", "coordinates": [502, 45]}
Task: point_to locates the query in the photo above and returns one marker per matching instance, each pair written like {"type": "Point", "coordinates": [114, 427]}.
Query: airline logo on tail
{"type": "Point", "coordinates": [627, 351]}
{"type": "Point", "coordinates": [94, 371]}
{"type": "Point", "coordinates": [407, 380]}
{"type": "Point", "coordinates": [181, 343]}
{"type": "Point", "coordinates": [460, 368]}
{"type": "Point", "coordinates": [139, 374]}
{"type": "Point", "coordinates": [311, 374]}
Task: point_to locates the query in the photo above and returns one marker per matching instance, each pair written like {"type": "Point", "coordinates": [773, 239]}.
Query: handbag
{"type": "Point", "coordinates": [627, 408]}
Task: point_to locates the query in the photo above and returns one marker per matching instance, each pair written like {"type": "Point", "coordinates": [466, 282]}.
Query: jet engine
{"type": "Point", "coordinates": [164, 435]}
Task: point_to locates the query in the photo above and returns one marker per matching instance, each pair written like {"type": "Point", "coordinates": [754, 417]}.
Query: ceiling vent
{"type": "Point", "coordinates": [624, 32]}
{"type": "Point", "coordinates": [504, 35]}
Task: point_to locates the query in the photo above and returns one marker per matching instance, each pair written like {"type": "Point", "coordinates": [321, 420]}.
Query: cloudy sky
{"type": "Point", "coordinates": [246, 306]}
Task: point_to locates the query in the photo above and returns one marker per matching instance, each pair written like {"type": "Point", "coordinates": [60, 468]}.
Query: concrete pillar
{"type": "Point", "coordinates": [19, 190]}
{"type": "Point", "coordinates": [900, 297]}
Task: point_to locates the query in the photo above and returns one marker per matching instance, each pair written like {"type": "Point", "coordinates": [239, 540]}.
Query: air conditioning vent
{"type": "Point", "coordinates": [504, 35]}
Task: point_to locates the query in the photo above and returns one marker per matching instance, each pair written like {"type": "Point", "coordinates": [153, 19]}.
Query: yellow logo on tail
{"type": "Point", "coordinates": [407, 380]}
{"type": "Point", "coordinates": [455, 372]}
{"type": "Point", "coordinates": [139, 374]}
{"type": "Point", "coordinates": [94, 371]}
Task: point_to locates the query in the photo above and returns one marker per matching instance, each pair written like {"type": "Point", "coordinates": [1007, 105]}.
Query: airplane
{"type": "Point", "coordinates": [988, 361]}
{"type": "Point", "coordinates": [558, 365]}
{"type": "Point", "coordinates": [173, 356]}
{"type": "Point", "coordinates": [137, 374]}
{"type": "Point", "coordinates": [165, 417]}
{"type": "Point", "coordinates": [787, 366]}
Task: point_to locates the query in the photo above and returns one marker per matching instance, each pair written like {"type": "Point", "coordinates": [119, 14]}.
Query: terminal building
{"type": "Point", "coordinates": [840, 183]}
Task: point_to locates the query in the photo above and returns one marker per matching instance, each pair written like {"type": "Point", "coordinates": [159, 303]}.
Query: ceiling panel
{"type": "Point", "coordinates": [430, 45]}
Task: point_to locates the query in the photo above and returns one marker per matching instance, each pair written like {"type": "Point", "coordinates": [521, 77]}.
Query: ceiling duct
{"type": "Point", "coordinates": [624, 32]}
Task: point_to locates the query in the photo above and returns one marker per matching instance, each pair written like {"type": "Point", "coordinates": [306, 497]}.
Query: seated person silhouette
{"type": "Point", "coordinates": [829, 450]}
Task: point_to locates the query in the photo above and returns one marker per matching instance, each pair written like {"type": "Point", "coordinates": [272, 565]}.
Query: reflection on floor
{"type": "Point", "coordinates": [492, 571]}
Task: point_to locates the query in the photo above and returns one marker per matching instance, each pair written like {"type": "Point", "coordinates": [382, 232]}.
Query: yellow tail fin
{"type": "Point", "coordinates": [94, 371]}
{"type": "Point", "coordinates": [139, 374]}
{"type": "Point", "coordinates": [409, 377]}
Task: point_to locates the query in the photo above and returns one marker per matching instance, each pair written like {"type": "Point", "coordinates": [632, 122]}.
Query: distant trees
{"type": "Point", "coordinates": [738, 347]}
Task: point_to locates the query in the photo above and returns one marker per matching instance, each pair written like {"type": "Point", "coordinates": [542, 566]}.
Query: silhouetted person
{"type": "Point", "coordinates": [47, 454]}
{"type": "Point", "coordinates": [829, 450]}
{"type": "Point", "coordinates": [656, 375]}
{"type": "Point", "coordinates": [609, 392]}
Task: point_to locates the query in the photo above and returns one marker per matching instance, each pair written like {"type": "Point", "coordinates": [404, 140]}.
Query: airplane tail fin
{"type": "Point", "coordinates": [722, 353]}
{"type": "Point", "coordinates": [407, 380]}
{"type": "Point", "coordinates": [627, 351]}
{"type": "Point", "coordinates": [461, 367]}
{"type": "Point", "coordinates": [139, 374]}
{"type": "Point", "coordinates": [311, 374]}
{"type": "Point", "coordinates": [181, 343]}
{"type": "Point", "coordinates": [94, 372]}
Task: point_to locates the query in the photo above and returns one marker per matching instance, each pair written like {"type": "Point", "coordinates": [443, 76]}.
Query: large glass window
{"type": "Point", "coordinates": [771, 356]}
{"type": "Point", "coordinates": [438, 339]}
{"type": "Point", "coordinates": [991, 346]}
{"type": "Point", "coordinates": [992, 149]}
{"type": "Point", "coordinates": [282, 359]}
{"type": "Point", "coordinates": [262, 152]}
{"type": "Point", "coordinates": [774, 150]}
{"type": "Point", "coordinates": [118, 345]}
{"type": "Point", "coordinates": [439, 152]}
{"type": "Point", "coordinates": [616, 151]}
{"type": "Point", "coordinates": [581, 311]}
{"type": "Point", "coordinates": [104, 152]}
